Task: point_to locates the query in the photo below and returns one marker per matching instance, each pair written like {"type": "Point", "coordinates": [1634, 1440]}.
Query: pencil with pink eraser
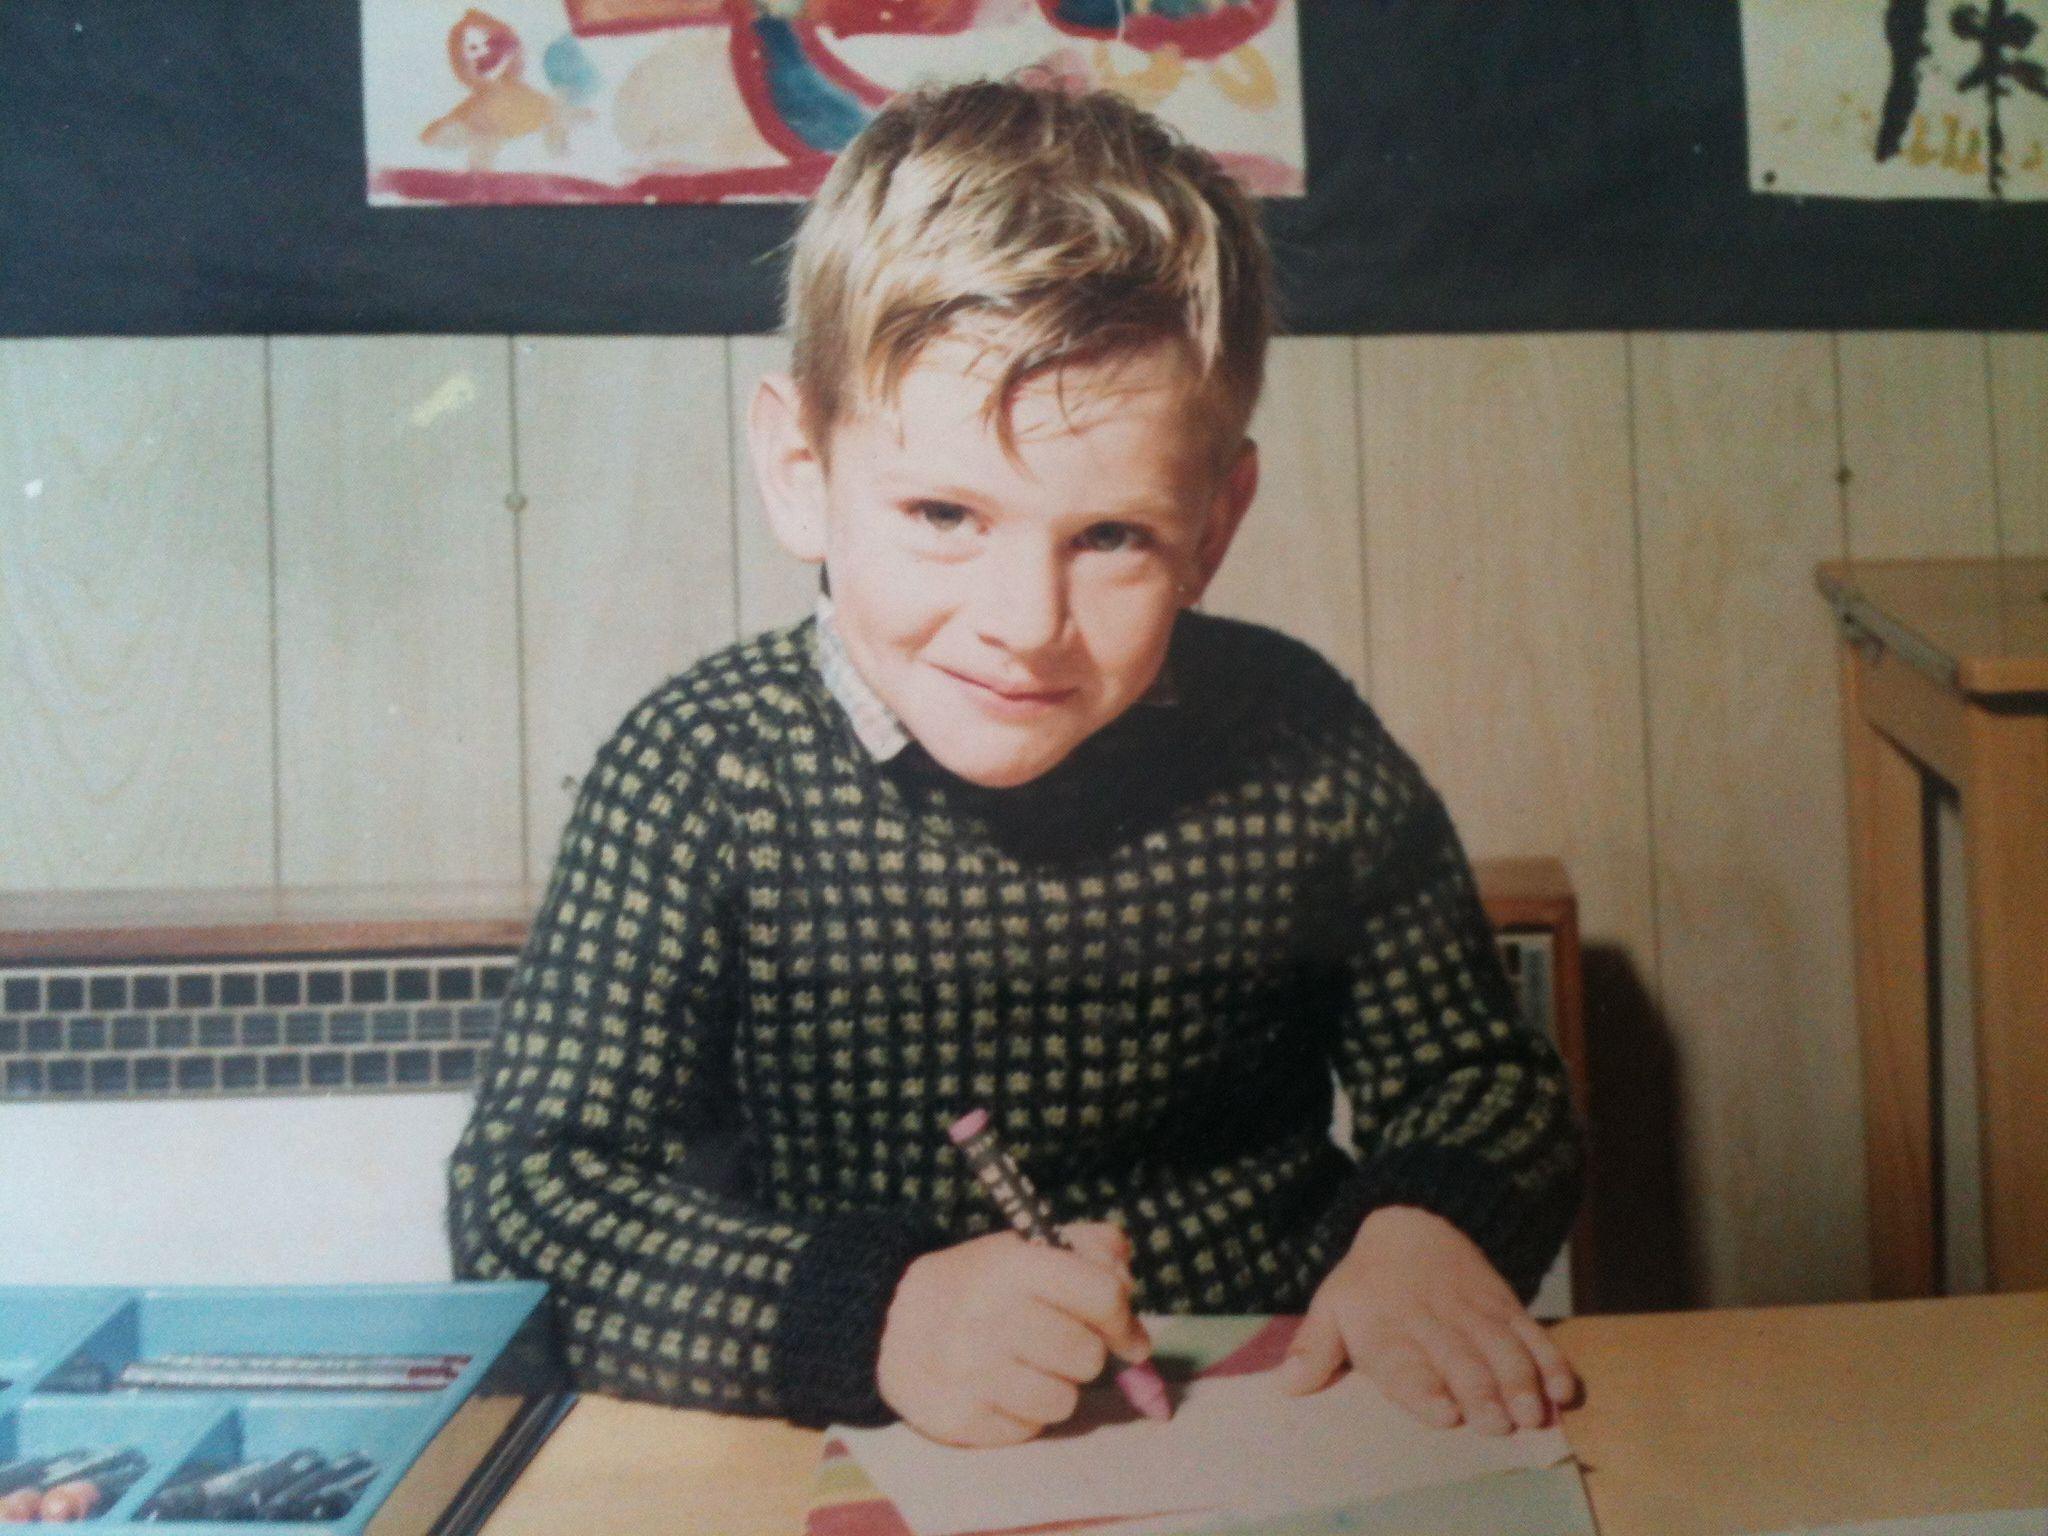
{"type": "Point", "coordinates": [1026, 1210]}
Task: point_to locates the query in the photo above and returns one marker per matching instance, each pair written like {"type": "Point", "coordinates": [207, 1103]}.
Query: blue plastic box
{"type": "Point", "coordinates": [442, 1455]}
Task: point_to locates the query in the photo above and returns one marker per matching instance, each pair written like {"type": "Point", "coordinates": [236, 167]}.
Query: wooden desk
{"type": "Point", "coordinates": [1692, 1422]}
{"type": "Point", "coordinates": [1945, 672]}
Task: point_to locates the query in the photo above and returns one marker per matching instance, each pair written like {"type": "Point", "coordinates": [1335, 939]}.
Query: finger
{"type": "Point", "coordinates": [1086, 1291]}
{"type": "Point", "coordinates": [1404, 1372]}
{"type": "Point", "coordinates": [1100, 1242]}
{"type": "Point", "coordinates": [1030, 1395]}
{"type": "Point", "coordinates": [1560, 1381]}
{"type": "Point", "coordinates": [1314, 1355]}
{"type": "Point", "coordinates": [982, 1426]}
{"type": "Point", "coordinates": [1464, 1372]}
{"type": "Point", "coordinates": [1051, 1341]}
{"type": "Point", "coordinates": [1514, 1372]}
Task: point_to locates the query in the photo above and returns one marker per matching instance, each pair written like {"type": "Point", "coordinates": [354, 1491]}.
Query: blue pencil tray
{"type": "Point", "coordinates": [427, 1444]}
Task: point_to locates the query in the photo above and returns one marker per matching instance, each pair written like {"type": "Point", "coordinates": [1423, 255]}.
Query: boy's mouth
{"type": "Point", "coordinates": [1009, 693]}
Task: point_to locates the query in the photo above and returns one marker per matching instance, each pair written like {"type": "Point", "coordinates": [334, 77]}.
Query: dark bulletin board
{"type": "Point", "coordinates": [196, 166]}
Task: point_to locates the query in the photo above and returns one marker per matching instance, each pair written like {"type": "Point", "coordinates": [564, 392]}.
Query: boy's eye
{"type": "Point", "coordinates": [942, 515]}
{"type": "Point", "coordinates": [1107, 538]}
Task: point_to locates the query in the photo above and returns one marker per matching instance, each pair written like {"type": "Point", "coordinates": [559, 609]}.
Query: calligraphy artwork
{"type": "Point", "coordinates": [1897, 98]}
{"type": "Point", "coordinates": [664, 101]}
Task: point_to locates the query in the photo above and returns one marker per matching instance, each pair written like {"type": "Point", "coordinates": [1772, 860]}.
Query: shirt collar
{"type": "Point", "coordinates": [875, 725]}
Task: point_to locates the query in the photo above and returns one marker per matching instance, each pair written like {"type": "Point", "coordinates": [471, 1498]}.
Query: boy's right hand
{"type": "Point", "coordinates": [991, 1340]}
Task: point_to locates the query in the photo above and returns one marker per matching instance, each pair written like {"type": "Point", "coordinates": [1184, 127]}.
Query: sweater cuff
{"type": "Point", "coordinates": [1519, 1229]}
{"type": "Point", "coordinates": [833, 1312]}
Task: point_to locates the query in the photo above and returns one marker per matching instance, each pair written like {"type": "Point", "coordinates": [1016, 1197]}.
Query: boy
{"type": "Point", "coordinates": [1006, 826]}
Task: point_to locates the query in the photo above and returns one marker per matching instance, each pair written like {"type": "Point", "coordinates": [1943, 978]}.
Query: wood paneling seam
{"type": "Point", "coordinates": [1635, 524]}
{"type": "Point", "coordinates": [737, 463]}
{"type": "Point", "coordinates": [1991, 427]}
{"type": "Point", "coordinates": [1358, 511]}
{"type": "Point", "coordinates": [270, 548]}
{"type": "Point", "coordinates": [515, 508]}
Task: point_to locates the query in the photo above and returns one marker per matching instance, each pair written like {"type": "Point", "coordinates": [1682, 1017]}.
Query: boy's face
{"type": "Point", "coordinates": [1007, 608]}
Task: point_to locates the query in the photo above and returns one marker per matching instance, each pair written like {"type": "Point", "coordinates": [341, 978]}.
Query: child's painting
{"type": "Point", "coordinates": [1897, 98]}
{"type": "Point", "coordinates": [706, 101]}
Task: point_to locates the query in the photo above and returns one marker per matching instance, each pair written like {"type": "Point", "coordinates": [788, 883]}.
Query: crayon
{"type": "Point", "coordinates": [27, 1472]}
{"type": "Point", "coordinates": [338, 1498]}
{"type": "Point", "coordinates": [21, 1507]}
{"type": "Point", "coordinates": [1026, 1211]}
{"type": "Point", "coordinates": [90, 1465]}
{"type": "Point", "coordinates": [450, 1365]}
{"type": "Point", "coordinates": [156, 1378]}
{"type": "Point", "coordinates": [246, 1499]}
{"type": "Point", "coordinates": [290, 1501]}
{"type": "Point", "coordinates": [199, 1495]}
{"type": "Point", "coordinates": [81, 1498]}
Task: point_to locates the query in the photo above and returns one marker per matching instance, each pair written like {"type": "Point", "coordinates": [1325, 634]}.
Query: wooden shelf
{"type": "Point", "coordinates": [84, 927]}
{"type": "Point", "coordinates": [184, 925]}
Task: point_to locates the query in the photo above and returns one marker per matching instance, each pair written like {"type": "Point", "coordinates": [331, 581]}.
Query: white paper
{"type": "Point", "coordinates": [535, 101]}
{"type": "Point", "coordinates": [1823, 75]}
{"type": "Point", "coordinates": [1236, 1446]}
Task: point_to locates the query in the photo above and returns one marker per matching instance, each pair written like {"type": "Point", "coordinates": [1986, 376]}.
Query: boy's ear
{"type": "Point", "coordinates": [1226, 512]}
{"type": "Point", "coordinates": [786, 467]}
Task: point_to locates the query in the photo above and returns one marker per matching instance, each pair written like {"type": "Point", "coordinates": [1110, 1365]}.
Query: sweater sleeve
{"type": "Point", "coordinates": [1457, 1104]}
{"type": "Point", "coordinates": [582, 1161]}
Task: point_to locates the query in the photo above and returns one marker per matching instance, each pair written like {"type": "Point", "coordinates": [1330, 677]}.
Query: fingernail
{"type": "Point", "coordinates": [1528, 1410]}
{"type": "Point", "coordinates": [1444, 1411]}
{"type": "Point", "coordinates": [1491, 1421]}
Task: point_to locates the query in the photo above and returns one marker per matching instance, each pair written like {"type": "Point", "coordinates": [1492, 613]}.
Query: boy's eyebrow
{"type": "Point", "coordinates": [1142, 507]}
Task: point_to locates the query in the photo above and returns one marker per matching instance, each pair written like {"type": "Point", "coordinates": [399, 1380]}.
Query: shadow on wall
{"type": "Point", "coordinates": [1645, 1255]}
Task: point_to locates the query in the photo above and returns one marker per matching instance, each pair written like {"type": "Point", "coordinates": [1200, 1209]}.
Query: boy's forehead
{"type": "Point", "coordinates": [949, 387]}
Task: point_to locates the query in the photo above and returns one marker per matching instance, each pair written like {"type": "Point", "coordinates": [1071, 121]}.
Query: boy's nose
{"type": "Point", "coordinates": [1021, 601]}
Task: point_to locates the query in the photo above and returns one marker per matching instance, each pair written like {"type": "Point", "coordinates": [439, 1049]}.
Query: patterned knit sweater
{"type": "Point", "coordinates": [770, 970]}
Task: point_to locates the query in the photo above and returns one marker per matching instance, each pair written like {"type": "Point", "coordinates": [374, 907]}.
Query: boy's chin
{"type": "Point", "coordinates": [996, 764]}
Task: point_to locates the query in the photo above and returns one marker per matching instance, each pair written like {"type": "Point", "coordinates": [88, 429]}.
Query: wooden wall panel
{"type": "Point", "coordinates": [626, 542]}
{"type": "Point", "coordinates": [1502, 593]}
{"type": "Point", "coordinates": [773, 589]}
{"type": "Point", "coordinates": [1916, 439]}
{"type": "Point", "coordinates": [1506, 656]}
{"type": "Point", "coordinates": [396, 611]}
{"type": "Point", "coordinates": [1298, 562]}
{"type": "Point", "coordinates": [135, 680]}
{"type": "Point", "coordinates": [2019, 422]}
{"type": "Point", "coordinates": [1737, 504]}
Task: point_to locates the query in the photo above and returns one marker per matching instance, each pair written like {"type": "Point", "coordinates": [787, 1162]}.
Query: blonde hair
{"type": "Point", "coordinates": [1048, 227]}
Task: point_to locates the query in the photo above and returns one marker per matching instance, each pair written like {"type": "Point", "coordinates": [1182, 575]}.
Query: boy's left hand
{"type": "Point", "coordinates": [1416, 1306]}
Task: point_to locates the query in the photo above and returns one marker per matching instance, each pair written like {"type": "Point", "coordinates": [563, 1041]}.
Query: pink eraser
{"type": "Point", "coordinates": [969, 1125]}
{"type": "Point", "coordinates": [1145, 1390]}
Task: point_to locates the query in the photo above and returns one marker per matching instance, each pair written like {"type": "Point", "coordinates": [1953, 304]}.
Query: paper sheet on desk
{"type": "Point", "coordinates": [1237, 1447]}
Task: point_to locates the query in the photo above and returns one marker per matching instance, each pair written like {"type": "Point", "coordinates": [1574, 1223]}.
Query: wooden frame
{"type": "Point", "coordinates": [1945, 673]}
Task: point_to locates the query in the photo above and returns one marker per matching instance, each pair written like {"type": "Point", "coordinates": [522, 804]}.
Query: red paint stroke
{"type": "Point", "coordinates": [837, 70]}
{"type": "Point", "coordinates": [463, 188]}
{"type": "Point", "coordinates": [1263, 176]}
{"type": "Point", "coordinates": [658, 19]}
{"type": "Point", "coordinates": [920, 18]}
{"type": "Point", "coordinates": [750, 73]}
{"type": "Point", "coordinates": [1197, 37]}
